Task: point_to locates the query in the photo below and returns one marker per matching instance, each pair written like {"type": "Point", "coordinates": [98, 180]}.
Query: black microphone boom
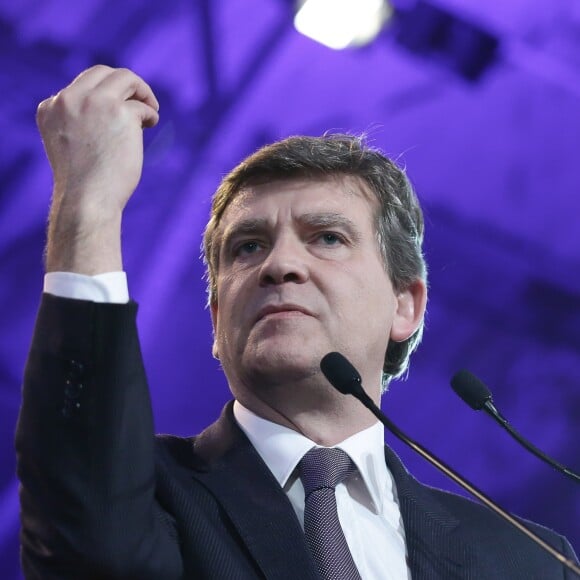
{"type": "Point", "coordinates": [476, 394]}
{"type": "Point", "coordinates": [345, 378]}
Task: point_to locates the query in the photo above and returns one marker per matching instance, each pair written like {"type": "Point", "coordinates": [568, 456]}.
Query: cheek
{"type": "Point", "coordinates": [231, 299]}
{"type": "Point", "coordinates": [364, 285]}
{"type": "Point", "coordinates": [374, 300]}
{"type": "Point", "coordinates": [225, 288]}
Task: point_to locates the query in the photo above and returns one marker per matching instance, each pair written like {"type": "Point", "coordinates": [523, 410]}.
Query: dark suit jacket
{"type": "Point", "coordinates": [102, 497]}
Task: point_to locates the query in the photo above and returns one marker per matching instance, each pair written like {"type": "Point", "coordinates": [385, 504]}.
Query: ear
{"type": "Point", "coordinates": [410, 310]}
{"type": "Point", "coordinates": [214, 313]}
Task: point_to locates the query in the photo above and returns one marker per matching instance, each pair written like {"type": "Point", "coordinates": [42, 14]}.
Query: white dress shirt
{"type": "Point", "coordinates": [367, 507]}
{"type": "Point", "coordinates": [367, 502]}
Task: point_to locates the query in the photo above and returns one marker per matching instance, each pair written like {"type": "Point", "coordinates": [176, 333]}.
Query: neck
{"type": "Point", "coordinates": [320, 413]}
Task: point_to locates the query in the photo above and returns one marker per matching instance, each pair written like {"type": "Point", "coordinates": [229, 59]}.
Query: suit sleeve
{"type": "Point", "coordinates": [85, 450]}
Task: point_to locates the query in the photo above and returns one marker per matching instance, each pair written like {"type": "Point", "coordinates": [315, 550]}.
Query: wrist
{"type": "Point", "coordinates": [83, 241]}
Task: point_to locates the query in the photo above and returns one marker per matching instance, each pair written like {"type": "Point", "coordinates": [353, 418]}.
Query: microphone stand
{"type": "Point", "coordinates": [477, 395]}
{"type": "Point", "coordinates": [356, 390]}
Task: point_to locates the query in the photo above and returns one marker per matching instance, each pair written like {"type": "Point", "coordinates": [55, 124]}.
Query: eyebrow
{"type": "Point", "coordinates": [330, 220]}
{"type": "Point", "coordinates": [249, 226]}
{"type": "Point", "coordinates": [254, 226]}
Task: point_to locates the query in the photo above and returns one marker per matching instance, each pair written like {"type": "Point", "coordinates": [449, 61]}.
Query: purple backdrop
{"type": "Point", "coordinates": [494, 159]}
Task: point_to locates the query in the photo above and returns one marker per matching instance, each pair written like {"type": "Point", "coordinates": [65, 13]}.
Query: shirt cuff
{"type": "Point", "coordinates": [110, 287]}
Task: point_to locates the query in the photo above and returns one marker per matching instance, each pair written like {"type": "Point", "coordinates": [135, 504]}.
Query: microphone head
{"type": "Point", "coordinates": [471, 389]}
{"type": "Point", "coordinates": [340, 373]}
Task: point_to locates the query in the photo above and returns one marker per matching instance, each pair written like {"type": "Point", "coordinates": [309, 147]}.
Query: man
{"type": "Point", "coordinates": [313, 246]}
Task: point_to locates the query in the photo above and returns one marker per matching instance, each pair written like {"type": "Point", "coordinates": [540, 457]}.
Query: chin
{"type": "Point", "coordinates": [281, 365]}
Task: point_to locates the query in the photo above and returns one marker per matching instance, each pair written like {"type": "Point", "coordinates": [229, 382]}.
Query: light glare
{"type": "Point", "coordinates": [342, 23]}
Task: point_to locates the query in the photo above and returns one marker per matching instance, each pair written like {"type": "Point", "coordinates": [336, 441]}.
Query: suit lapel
{"type": "Point", "coordinates": [434, 541]}
{"type": "Point", "coordinates": [232, 470]}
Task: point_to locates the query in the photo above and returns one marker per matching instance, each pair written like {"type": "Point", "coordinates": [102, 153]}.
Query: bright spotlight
{"type": "Point", "coordinates": [342, 23]}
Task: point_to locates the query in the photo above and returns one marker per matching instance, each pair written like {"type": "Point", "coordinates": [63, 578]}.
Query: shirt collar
{"type": "Point", "coordinates": [282, 448]}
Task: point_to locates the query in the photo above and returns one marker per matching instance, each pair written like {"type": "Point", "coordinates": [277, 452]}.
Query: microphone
{"type": "Point", "coordinates": [477, 395]}
{"type": "Point", "coordinates": [345, 378]}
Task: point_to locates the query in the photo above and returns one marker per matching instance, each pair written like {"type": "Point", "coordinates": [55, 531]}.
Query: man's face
{"type": "Point", "coordinates": [300, 275]}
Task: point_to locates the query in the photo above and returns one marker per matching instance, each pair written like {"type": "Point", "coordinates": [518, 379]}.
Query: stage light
{"type": "Point", "coordinates": [342, 23]}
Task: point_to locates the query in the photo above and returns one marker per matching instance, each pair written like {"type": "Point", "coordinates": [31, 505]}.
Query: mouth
{"type": "Point", "coordinates": [282, 311]}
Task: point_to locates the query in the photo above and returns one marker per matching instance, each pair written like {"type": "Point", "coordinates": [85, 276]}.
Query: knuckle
{"type": "Point", "coordinates": [100, 67]}
{"type": "Point", "coordinates": [43, 110]}
{"type": "Point", "coordinates": [62, 101]}
{"type": "Point", "coordinates": [126, 73]}
{"type": "Point", "coordinates": [131, 76]}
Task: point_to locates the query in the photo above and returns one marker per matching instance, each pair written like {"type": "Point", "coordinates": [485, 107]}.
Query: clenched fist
{"type": "Point", "coordinates": [93, 136]}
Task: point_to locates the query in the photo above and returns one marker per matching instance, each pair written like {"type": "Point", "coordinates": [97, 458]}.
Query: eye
{"type": "Point", "coordinates": [246, 248]}
{"type": "Point", "coordinates": [331, 238]}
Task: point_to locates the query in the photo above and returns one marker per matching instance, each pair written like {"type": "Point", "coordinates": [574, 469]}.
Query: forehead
{"type": "Point", "coordinates": [340, 194]}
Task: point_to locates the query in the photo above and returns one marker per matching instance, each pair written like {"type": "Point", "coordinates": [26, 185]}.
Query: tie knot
{"type": "Point", "coordinates": [324, 467]}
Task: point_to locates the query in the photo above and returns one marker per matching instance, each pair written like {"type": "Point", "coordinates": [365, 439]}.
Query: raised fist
{"type": "Point", "coordinates": [93, 135]}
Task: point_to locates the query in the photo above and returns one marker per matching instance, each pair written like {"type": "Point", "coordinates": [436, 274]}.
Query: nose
{"type": "Point", "coordinates": [285, 262]}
